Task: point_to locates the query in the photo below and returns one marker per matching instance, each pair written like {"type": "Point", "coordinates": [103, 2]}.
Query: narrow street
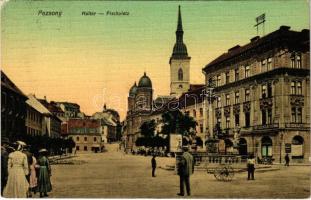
{"type": "Point", "coordinates": [114, 174]}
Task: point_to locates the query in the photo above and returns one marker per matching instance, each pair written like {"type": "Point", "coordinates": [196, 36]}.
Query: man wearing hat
{"type": "Point", "coordinates": [185, 170]}
{"type": "Point", "coordinates": [4, 162]}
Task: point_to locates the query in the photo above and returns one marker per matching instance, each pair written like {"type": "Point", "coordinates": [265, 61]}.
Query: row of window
{"type": "Point", "coordinates": [33, 116]}
{"type": "Point", "coordinates": [296, 60]}
{"type": "Point", "coordinates": [85, 139]}
{"type": "Point", "coordinates": [195, 113]}
{"type": "Point", "coordinates": [266, 92]}
{"type": "Point", "coordinates": [265, 64]}
{"type": "Point", "coordinates": [296, 88]}
{"type": "Point", "coordinates": [32, 131]}
{"type": "Point", "coordinates": [78, 148]}
{"type": "Point", "coordinates": [266, 117]}
{"type": "Point", "coordinates": [236, 120]}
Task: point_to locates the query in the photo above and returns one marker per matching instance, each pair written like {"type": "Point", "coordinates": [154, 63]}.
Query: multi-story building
{"type": "Point", "coordinates": [37, 118]}
{"type": "Point", "coordinates": [54, 124]}
{"type": "Point", "coordinates": [13, 110]}
{"type": "Point", "coordinates": [262, 95]}
{"type": "Point", "coordinates": [86, 133]}
{"type": "Point", "coordinates": [71, 110]}
{"type": "Point", "coordinates": [109, 120]}
{"type": "Point", "coordinates": [193, 103]}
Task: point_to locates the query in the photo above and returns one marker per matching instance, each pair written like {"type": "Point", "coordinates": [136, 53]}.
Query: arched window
{"type": "Point", "coordinates": [266, 146]}
{"type": "Point", "coordinates": [180, 74]}
{"type": "Point", "coordinates": [297, 147]}
{"type": "Point", "coordinates": [242, 146]}
{"type": "Point", "coordinates": [228, 146]}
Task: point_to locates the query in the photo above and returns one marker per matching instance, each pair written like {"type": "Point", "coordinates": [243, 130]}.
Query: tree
{"type": "Point", "coordinates": [147, 128]}
{"type": "Point", "coordinates": [177, 122]}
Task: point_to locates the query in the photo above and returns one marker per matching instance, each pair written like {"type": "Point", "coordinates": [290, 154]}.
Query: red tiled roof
{"type": "Point", "coordinates": [83, 123]}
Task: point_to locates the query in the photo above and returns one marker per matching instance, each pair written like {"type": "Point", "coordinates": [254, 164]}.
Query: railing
{"type": "Point", "coordinates": [297, 125]}
{"type": "Point", "coordinates": [266, 126]}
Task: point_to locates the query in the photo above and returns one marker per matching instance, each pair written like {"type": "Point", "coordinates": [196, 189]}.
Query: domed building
{"type": "Point", "coordinates": [139, 107]}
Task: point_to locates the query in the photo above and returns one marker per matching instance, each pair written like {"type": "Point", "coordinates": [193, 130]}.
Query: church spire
{"type": "Point", "coordinates": [180, 49]}
{"type": "Point", "coordinates": [179, 24]}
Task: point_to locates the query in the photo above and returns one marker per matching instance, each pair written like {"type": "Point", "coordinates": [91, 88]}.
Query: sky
{"type": "Point", "coordinates": [92, 60]}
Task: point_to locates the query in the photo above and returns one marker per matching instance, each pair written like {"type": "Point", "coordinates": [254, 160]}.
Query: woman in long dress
{"type": "Point", "coordinates": [33, 182]}
{"type": "Point", "coordinates": [17, 184]}
{"type": "Point", "coordinates": [44, 183]}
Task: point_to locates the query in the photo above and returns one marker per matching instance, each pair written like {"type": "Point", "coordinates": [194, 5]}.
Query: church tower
{"type": "Point", "coordinates": [179, 63]}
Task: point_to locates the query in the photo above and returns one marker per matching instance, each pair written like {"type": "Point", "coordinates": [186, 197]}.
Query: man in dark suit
{"type": "Point", "coordinates": [185, 170]}
{"type": "Point", "coordinates": [4, 162]}
{"type": "Point", "coordinates": [153, 165]}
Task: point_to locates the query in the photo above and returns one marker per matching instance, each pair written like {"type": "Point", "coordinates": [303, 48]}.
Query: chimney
{"type": "Point", "coordinates": [284, 28]}
{"type": "Point", "coordinates": [234, 48]}
{"type": "Point", "coordinates": [255, 38]}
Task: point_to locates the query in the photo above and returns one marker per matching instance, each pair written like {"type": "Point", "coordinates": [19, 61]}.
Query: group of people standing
{"type": "Point", "coordinates": [22, 174]}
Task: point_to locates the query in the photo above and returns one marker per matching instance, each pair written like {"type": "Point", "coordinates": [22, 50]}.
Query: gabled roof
{"type": "Point", "coordinates": [7, 83]}
{"type": "Point", "coordinates": [34, 103]}
{"type": "Point", "coordinates": [52, 107]}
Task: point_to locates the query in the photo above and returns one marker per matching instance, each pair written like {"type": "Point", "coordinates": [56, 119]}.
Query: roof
{"type": "Point", "coordinates": [195, 86]}
{"type": "Point", "coordinates": [145, 81]}
{"type": "Point", "coordinates": [106, 117]}
{"type": "Point", "coordinates": [52, 106]}
{"type": "Point", "coordinates": [68, 104]}
{"type": "Point", "coordinates": [284, 34]}
{"type": "Point", "coordinates": [192, 97]}
{"type": "Point", "coordinates": [83, 123]}
{"type": "Point", "coordinates": [7, 83]}
{"type": "Point", "coordinates": [34, 103]}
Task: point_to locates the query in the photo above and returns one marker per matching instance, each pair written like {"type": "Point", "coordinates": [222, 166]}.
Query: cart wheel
{"type": "Point", "coordinates": [228, 173]}
{"type": "Point", "coordinates": [218, 173]}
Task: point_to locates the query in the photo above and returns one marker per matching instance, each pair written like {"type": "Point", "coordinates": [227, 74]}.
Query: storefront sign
{"type": "Point", "coordinates": [288, 148]}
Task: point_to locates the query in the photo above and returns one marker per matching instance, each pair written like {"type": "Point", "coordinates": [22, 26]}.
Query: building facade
{"type": "Point", "coordinates": [71, 110]}
{"type": "Point", "coordinates": [13, 110]}
{"type": "Point", "coordinates": [86, 133]}
{"type": "Point", "coordinates": [261, 95]}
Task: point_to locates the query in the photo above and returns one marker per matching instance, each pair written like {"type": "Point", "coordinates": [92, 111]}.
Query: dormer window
{"type": "Point", "coordinates": [269, 63]}
{"type": "Point", "coordinates": [298, 61]}
{"type": "Point", "coordinates": [247, 71]}
{"type": "Point", "coordinates": [263, 65]}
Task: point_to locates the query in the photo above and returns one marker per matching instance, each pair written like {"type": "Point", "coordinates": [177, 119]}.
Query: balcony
{"type": "Point", "coordinates": [265, 103]}
{"type": "Point", "coordinates": [266, 126]}
{"type": "Point", "coordinates": [297, 100]}
{"type": "Point", "coordinates": [297, 125]}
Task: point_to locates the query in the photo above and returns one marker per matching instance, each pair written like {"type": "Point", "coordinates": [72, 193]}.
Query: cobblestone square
{"type": "Point", "coordinates": [117, 175]}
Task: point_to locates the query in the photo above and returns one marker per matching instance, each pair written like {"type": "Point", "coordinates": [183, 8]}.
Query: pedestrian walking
{"type": "Point", "coordinates": [153, 165]}
{"type": "Point", "coordinates": [185, 170]}
{"type": "Point", "coordinates": [250, 167]}
{"type": "Point", "coordinates": [44, 183]}
{"type": "Point", "coordinates": [17, 184]}
{"type": "Point", "coordinates": [29, 161]}
{"type": "Point", "coordinates": [287, 160]}
{"type": "Point", "coordinates": [4, 162]}
{"type": "Point", "coordinates": [33, 181]}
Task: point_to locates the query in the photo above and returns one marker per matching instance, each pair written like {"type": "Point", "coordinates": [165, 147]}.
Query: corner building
{"type": "Point", "coordinates": [262, 94]}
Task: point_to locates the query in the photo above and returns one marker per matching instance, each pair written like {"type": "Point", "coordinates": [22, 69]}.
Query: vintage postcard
{"type": "Point", "coordinates": [155, 99]}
